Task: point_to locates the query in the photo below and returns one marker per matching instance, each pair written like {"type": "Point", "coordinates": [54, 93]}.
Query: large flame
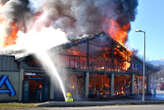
{"type": "Point", "coordinates": [117, 32]}
{"type": "Point", "coordinates": [7, 36]}
{"type": "Point", "coordinates": [12, 37]}
{"type": "Point", "coordinates": [120, 33]}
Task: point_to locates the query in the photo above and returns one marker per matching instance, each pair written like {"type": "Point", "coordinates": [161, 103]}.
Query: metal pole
{"type": "Point", "coordinates": [143, 79]}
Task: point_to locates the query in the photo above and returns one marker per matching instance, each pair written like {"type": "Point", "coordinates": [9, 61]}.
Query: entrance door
{"type": "Point", "coordinates": [35, 89]}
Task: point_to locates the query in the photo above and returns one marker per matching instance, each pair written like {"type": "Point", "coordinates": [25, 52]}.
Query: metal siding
{"type": "Point", "coordinates": [14, 78]}
{"type": "Point", "coordinates": [7, 63]}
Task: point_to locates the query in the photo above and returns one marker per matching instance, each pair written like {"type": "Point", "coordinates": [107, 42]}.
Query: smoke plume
{"type": "Point", "coordinates": [89, 16]}
{"type": "Point", "coordinates": [75, 17]}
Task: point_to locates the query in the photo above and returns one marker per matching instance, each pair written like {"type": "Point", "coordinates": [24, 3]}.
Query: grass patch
{"type": "Point", "coordinates": [16, 105]}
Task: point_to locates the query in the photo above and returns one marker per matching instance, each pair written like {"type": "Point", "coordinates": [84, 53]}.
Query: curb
{"type": "Point", "coordinates": [92, 103]}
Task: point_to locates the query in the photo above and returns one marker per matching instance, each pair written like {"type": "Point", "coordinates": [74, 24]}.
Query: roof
{"type": "Point", "coordinates": [98, 44]}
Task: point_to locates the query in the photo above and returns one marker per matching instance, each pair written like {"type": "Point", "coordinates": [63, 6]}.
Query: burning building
{"type": "Point", "coordinates": [95, 66]}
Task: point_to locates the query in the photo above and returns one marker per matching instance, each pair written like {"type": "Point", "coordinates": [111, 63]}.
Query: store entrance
{"type": "Point", "coordinates": [36, 89]}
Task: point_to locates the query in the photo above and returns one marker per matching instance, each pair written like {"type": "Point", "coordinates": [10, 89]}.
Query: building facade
{"type": "Point", "coordinates": [95, 67]}
{"type": "Point", "coordinates": [11, 79]}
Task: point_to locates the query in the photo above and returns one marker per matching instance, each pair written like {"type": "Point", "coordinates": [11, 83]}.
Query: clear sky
{"type": "Point", "coordinates": [150, 18]}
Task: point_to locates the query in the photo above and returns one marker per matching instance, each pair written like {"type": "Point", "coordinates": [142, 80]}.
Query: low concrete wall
{"type": "Point", "coordinates": [16, 81]}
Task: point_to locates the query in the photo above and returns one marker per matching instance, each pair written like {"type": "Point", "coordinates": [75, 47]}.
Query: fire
{"type": "Point", "coordinates": [75, 52]}
{"type": "Point", "coordinates": [120, 33]}
{"type": "Point", "coordinates": [11, 38]}
{"type": "Point", "coordinates": [7, 38]}
{"type": "Point", "coordinates": [117, 32]}
{"type": "Point", "coordinates": [126, 65]}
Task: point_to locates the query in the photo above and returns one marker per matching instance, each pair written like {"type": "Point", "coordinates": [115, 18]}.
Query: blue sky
{"type": "Point", "coordinates": [150, 18]}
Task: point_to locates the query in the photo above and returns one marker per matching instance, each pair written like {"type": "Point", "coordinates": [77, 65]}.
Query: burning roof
{"type": "Point", "coordinates": [99, 48]}
{"type": "Point", "coordinates": [98, 43]}
{"type": "Point", "coordinates": [104, 53]}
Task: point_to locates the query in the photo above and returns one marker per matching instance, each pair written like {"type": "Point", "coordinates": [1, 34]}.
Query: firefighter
{"type": "Point", "coordinates": [69, 97]}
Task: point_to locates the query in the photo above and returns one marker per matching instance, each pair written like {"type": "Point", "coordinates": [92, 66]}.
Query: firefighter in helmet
{"type": "Point", "coordinates": [69, 97]}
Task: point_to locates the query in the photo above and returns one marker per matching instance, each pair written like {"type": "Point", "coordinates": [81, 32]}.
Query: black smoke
{"type": "Point", "coordinates": [75, 17]}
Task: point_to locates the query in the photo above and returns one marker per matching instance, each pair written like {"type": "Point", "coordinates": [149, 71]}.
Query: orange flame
{"type": "Point", "coordinates": [7, 38]}
{"type": "Point", "coordinates": [117, 32]}
{"type": "Point", "coordinates": [120, 33]}
{"type": "Point", "coordinates": [11, 38]}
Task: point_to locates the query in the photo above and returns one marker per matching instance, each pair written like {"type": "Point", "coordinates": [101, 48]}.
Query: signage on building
{"type": "Point", "coordinates": [4, 80]}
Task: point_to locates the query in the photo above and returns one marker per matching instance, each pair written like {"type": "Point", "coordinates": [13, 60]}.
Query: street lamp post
{"type": "Point", "coordinates": [143, 79]}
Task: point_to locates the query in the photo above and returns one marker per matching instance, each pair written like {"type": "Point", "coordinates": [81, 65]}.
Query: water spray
{"type": "Point", "coordinates": [36, 43]}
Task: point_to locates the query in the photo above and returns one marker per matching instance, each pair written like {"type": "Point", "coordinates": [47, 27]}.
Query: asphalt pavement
{"type": "Point", "coordinates": [133, 100]}
{"type": "Point", "coordinates": [111, 107]}
{"type": "Point", "coordinates": [116, 107]}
